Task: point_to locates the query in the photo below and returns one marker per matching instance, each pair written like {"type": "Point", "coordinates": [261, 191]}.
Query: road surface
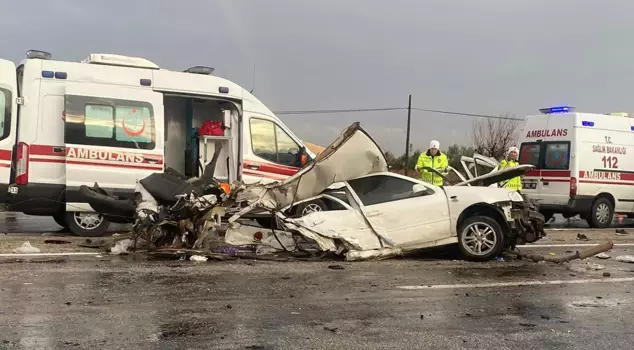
{"type": "Point", "coordinates": [123, 303]}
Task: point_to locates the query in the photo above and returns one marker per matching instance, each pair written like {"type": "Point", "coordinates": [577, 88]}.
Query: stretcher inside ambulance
{"type": "Point", "coordinates": [584, 163]}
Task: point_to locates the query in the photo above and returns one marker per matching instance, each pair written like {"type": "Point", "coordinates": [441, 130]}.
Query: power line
{"type": "Point", "coordinates": [334, 111]}
{"type": "Point", "coordinates": [357, 110]}
{"type": "Point", "coordinates": [464, 114]}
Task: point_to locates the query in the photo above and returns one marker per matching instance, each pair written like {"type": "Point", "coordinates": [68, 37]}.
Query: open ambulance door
{"type": "Point", "coordinates": [8, 123]}
{"type": "Point", "coordinates": [113, 136]}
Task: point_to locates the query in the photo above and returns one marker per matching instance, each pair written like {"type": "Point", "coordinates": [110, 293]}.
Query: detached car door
{"type": "Point", "coordinates": [398, 213]}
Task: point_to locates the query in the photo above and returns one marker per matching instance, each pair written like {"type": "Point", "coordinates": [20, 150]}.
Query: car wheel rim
{"type": "Point", "coordinates": [603, 213]}
{"type": "Point", "coordinates": [311, 208]}
{"type": "Point", "coordinates": [87, 221]}
{"type": "Point", "coordinates": [479, 238]}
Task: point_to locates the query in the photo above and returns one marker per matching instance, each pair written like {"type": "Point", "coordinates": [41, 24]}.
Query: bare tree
{"type": "Point", "coordinates": [492, 137]}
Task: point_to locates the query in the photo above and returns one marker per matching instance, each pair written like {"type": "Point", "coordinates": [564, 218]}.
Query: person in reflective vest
{"type": "Point", "coordinates": [510, 161]}
{"type": "Point", "coordinates": [434, 159]}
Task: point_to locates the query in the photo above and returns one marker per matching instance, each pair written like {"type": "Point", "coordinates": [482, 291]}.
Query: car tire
{"type": "Point", "coordinates": [479, 231]}
{"type": "Point", "coordinates": [601, 213]}
{"type": "Point", "coordinates": [60, 219]}
{"type": "Point", "coordinates": [310, 207]}
{"type": "Point", "coordinates": [85, 224]}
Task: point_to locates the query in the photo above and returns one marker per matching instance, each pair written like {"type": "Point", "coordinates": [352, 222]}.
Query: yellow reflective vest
{"type": "Point", "coordinates": [438, 162]}
{"type": "Point", "coordinates": [513, 183]}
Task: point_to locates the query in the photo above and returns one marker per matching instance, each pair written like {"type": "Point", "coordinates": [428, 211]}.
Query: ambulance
{"type": "Point", "coordinates": [113, 120]}
{"type": "Point", "coordinates": [584, 163]}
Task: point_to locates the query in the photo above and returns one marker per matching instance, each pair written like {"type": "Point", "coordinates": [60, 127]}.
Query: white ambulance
{"type": "Point", "coordinates": [114, 119]}
{"type": "Point", "coordinates": [584, 163]}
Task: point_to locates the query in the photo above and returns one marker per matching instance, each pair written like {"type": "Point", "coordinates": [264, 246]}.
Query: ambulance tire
{"type": "Point", "coordinates": [601, 214]}
{"type": "Point", "coordinates": [87, 224]}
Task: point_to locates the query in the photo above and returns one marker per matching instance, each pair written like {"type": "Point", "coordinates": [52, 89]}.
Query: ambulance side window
{"type": "Point", "coordinates": [272, 143]}
{"type": "Point", "coordinates": [5, 113]}
{"type": "Point", "coordinates": [109, 122]}
{"type": "Point", "coordinates": [557, 156]}
{"type": "Point", "coordinates": [529, 154]}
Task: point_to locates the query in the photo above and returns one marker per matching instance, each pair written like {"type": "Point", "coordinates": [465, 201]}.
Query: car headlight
{"type": "Point", "coordinates": [515, 197]}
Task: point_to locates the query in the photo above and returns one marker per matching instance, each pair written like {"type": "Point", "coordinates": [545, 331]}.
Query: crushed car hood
{"type": "Point", "coordinates": [353, 154]}
{"type": "Point", "coordinates": [498, 176]}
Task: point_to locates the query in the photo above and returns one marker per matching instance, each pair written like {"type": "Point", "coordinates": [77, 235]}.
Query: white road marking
{"type": "Point", "coordinates": [14, 255]}
{"type": "Point", "coordinates": [572, 245]}
{"type": "Point", "coordinates": [518, 283]}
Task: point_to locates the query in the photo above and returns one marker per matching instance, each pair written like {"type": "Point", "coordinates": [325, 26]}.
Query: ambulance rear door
{"type": "Point", "coordinates": [113, 136]}
{"type": "Point", "coordinates": [555, 159]}
{"type": "Point", "coordinates": [8, 122]}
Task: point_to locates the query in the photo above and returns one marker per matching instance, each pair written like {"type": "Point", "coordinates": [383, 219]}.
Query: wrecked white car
{"type": "Point", "coordinates": [385, 214]}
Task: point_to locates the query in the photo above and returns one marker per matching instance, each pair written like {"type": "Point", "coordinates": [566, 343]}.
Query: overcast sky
{"type": "Point", "coordinates": [485, 56]}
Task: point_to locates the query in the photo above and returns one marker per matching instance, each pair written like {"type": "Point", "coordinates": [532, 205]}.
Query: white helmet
{"type": "Point", "coordinates": [512, 149]}
{"type": "Point", "coordinates": [434, 144]}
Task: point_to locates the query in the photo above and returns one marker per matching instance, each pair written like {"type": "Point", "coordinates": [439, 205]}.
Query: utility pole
{"type": "Point", "coordinates": [409, 119]}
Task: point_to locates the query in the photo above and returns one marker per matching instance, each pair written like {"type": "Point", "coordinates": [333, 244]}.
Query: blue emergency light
{"type": "Point", "coordinates": [557, 109]}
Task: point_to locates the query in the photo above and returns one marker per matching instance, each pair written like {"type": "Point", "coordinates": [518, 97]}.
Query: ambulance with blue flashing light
{"type": "Point", "coordinates": [584, 163]}
{"type": "Point", "coordinates": [113, 120]}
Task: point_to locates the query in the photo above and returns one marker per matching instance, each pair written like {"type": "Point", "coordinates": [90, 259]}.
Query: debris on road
{"type": "Point", "coordinates": [625, 259]}
{"type": "Point", "coordinates": [621, 232]}
{"type": "Point", "coordinates": [582, 237]}
{"type": "Point", "coordinates": [26, 248]}
{"type": "Point", "coordinates": [594, 266]}
{"type": "Point", "coordinates": [600, 248]}
{"type": "Point", "coordinates": [336, 267]}
{"type": "Point", "coordinates": [602, 256]}
{"type": "Point", "coordinates": [198, 258]}
{"type": "Point", "coordinates": [121, 247]}
{"type": "Point", "coordinates": [56, 241]}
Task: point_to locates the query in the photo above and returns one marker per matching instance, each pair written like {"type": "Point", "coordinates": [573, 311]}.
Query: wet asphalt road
{"type": "Point", "coordinates": [110, 302]}
{"type": "Point", "coordinates": [115, 303]}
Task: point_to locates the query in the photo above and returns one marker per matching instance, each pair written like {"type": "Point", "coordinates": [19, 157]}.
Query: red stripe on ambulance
{"type": "Point", "coordinates": [606, 177]}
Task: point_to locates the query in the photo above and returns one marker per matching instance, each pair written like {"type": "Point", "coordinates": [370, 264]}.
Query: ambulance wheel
{"type": "Point", "coordinates": [86, 224]}
{"type": "Point", "coordinates": [601, 213]}
{"type": "Point", "coordinates": [60, 219]}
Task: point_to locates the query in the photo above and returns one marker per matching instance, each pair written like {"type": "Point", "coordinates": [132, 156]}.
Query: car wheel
{"type": "Point", "coordinates": [60, 219]}
{"type": "Point", "coordinates": [480, 238]}
{"type": "Point", "coordinates": [601, 213]}
{"type": "Point", "coordinates": [310, 207]}
{"type": "Point", "coordinates": [86, 224]}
